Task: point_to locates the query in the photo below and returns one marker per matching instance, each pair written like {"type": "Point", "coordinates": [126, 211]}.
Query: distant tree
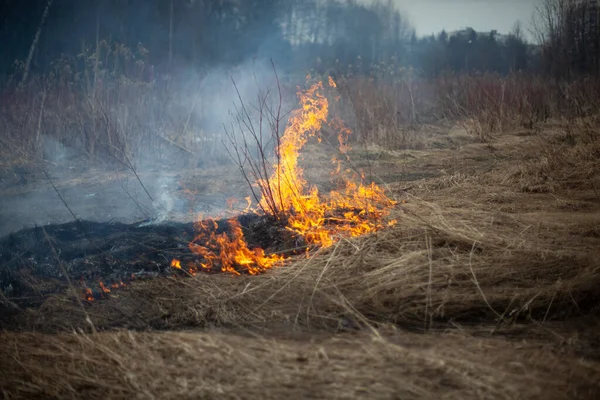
{"type": "Point", "coordinates": [443, 37]}
{"type": "Point", "coordinates": [299, 34]}
{"type": "Point", "coordinates": [516, 49]}
{"type": "Point", "coordinates": [413, 38]}
{"type": "Point", "coordinates": [569, 35]}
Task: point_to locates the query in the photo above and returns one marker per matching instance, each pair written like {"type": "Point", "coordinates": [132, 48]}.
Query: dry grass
{"type": "Point", "coordinates": [486, 288]}
{"type": "Point", "coordinates": [186, 365]}
{"type": "Point", "coordinates": [391, 106]}
{"type": "Point", "coordinates": [337, 324]}
{"type": "Point", "coordinates": [479, 250]}
{"type": "Point", "coordinates": [122, 111]}
{"type": "Point", "coordinates": [437, 266]}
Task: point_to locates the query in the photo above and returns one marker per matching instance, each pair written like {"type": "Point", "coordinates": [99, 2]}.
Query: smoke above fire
{"type": "Point", "coordinates": [186, 135]}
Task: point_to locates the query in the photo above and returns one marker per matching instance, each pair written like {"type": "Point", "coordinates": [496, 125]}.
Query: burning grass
{"type": "Point", "coordinates": [285, 196]}
{"type": "Point", "coordinates": [287, 202]}
{"type": "Point", "coordinates": [441, 266]}
{"type": "Point", "coordinates": [99, 257]}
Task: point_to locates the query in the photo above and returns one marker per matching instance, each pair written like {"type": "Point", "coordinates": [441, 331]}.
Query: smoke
{"type": "Point", "coordinates": [225, 88]}
{"type": "Point", "coordinates": [220, 98]}
{"type": "Point", "coordinates": [164, 204]}
{"type": "Point", "coordinates": [55, 152]}
{"type": "Point", "coordinates": [176, 124]}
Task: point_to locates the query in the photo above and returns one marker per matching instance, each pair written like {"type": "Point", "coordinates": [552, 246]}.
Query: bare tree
{"type": "Point", "coordinates": [569, 34]}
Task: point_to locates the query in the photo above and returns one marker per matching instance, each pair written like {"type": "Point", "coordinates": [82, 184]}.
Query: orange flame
{"type": "Point", "coordinates": [88, 294]}
{"type": "Point", "coordinates": [104, 288]}
{"type": "Point", "coordinates": [284, 190]}
{"type": "Point", "coordinates": [117, 285]}
{"type": "Point", "coordinates": [353, 210]}
{"type": "Point", "coordinates": [248, 206]}
{"type": "Point", "coordinates": [176, 264]}
{"type": "Point", "coordinates": [230, 252]}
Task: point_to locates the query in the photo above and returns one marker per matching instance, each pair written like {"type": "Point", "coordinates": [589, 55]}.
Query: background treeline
{"type": "Point", "coordinates": [129, 78]}
{"type": "Point", "coordinates": [299, 34]}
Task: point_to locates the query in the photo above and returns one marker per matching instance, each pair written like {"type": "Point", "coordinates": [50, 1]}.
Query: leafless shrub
{"type": "Point", "coordinates": [387, 107]}
{"type": "Point", "coordinates": [253, 138]}
{"type": "Point", "coordinates": [105, 102]}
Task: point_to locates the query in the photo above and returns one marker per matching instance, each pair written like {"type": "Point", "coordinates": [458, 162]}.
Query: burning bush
{"type": "Point", "coordinates": [284, 195]}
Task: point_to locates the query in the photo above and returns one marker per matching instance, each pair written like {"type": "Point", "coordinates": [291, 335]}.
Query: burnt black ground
{"type": "Point", "coordinates": [33, 262]}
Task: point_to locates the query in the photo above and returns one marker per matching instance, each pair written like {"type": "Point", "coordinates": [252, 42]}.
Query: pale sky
{"type": "Point", "coordinates": [431, 16]}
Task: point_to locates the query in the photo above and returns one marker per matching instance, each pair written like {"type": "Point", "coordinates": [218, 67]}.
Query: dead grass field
{"type": "Point", "coordinates": [488, 287]}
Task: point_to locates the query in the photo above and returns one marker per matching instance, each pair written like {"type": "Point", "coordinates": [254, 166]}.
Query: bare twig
{"type": "Point", "coordinates": [40, 117]}
{"type": "Point", "coordinates": [62, 199]}
{"type": "Point", "coordinates": [36, 39]}
{"type": "Point", "coordinates": [256, 167]}
{"type": "Point", "coordinates": [127, 163]}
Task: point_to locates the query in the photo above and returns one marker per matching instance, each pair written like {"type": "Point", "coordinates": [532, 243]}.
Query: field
{"type": "Point", "coordinates": [486, 287]}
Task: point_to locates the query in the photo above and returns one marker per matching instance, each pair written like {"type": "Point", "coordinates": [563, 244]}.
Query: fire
{"type": "Point", "coordinates": [117, 285]}
{"type": "Point", "coordinates": [284, 190]}
{"type": "Point", "coordinates": [248, 205]}
{"type": "Point", "coordinates": [191, 269]}
{"type": "Point", "coordinates": [229, 251]}
{"type": "Point", "coordinates": [354, 209]}
{"type": "Point", "coordinates": [176, 264]}
{"type": "Point", "coordinates": [88, 294]}
{"type": "Point", "coordinates": [103, 287]}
